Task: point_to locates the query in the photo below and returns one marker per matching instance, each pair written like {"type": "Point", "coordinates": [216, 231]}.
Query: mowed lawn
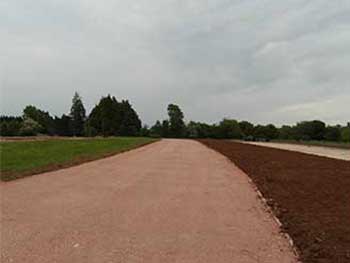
{"type": "Point", "coordinates": [23, 158]}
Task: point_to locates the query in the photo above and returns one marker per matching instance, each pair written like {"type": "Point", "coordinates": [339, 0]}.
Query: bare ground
{"type": "Point", "coordinates": [171, 201]}
{"type": "Point", "coordinates": [308, 193]}
{"type": "Point", "coordinates": [331, 152]}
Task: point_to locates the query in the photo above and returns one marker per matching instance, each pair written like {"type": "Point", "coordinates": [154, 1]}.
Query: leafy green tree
{"type": "Point", "coordinates": [30, 127]}
{"type": "Point", "coordinates": [345, 133]}
{"type": "Point", "coordinates": [311, 130]}
{"type": "Point", "coordinates": [333, 133]}
{"type": "Point", "coordinates": [205, 130]}
{"type": "Point", "coordinates": [165, 129]}
{"type": "Point", "coordinates": [192, 129]}
{"type": "Point", "coordinates": [247, 128]}
{"type": "Point", "coordinates": [229, 129]}
{"type": "Point", "coordinates": [43, 118]}
{"type": "Point", "coordinates": [266, 132]}
{"type": "Point", "coordinates": [271, 132]}
{"type": "Point", "coordinates": [177, 126]}
{"type": "Point", "coordinates": [286, 132]}
{"type": "Point", "coordinates": [77, 114]}
{"type": "Point", "coordinates": [200, 130]}
{"type": "Point", "coordinates": [156, 130]}
{"type": "Point", "coordinates": [10, 126]}
{"type": "Point", "coordinates": [145, 131]}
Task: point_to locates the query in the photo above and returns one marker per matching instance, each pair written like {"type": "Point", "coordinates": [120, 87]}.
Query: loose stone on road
{"type": "Point", "coordinates": [171, 201]}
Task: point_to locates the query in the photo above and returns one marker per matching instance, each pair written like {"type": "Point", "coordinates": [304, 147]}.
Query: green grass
{"type": "Point", "coordinates": [23, 158]}
{"type": "Point", "coordinates": [342, 145]}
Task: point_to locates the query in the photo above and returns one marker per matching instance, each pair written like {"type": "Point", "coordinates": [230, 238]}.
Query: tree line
{"type": "Point", "coordinates": [118, 118]}
{"type": "Point", "coordinates": [108, 118]}
{"type": "Point", "coordinates": [233, 129]}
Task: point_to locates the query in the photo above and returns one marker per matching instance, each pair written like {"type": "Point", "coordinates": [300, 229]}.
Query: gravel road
{"type": "Point", "coordinates": [337, 153]}
{"type": "Point", "coordinates": [171, 201]}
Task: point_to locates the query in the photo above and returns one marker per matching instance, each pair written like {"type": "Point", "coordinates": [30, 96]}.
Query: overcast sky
{"type": "Point", "coordinates": [263, 61]}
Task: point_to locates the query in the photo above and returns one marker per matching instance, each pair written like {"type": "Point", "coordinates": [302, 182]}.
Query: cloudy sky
{"type": "Point", "coordinates": [259, 60]}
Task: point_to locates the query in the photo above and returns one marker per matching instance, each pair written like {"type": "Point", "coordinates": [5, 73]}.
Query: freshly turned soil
{"type": "Point", "coordinates": [309, 194]}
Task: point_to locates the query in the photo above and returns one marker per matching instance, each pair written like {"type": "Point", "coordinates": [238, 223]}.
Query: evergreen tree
{"type": "Point", "coordinates": [177, 126]}
{"type": "Point", "coordinates": [63, 125]}
{"type": "Point", "coordinates": [105, 117]}
{"type": "Point", "coordinates": [130, 124]}
{"type": "Point", "coordinates": [112, 118]}
{"type": "Point", "coordinates": [77, 114]}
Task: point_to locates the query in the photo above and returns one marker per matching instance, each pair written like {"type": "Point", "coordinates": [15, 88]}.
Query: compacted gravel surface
{"type": "Point", "coordinates": [330, 152]}
{"type": "Point", "coordinates": [171, 201]}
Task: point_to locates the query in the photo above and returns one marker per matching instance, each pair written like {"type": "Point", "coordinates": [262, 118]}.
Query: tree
{"type": "Point", "coordinates": [345, 133]}
{"type": "Point", "coordinates": [10, 126]}
{"type": "Point", "coordinates": [145, 131]}
{"type": "Point", "coordinates": [176, 122]}
{"type": "Point", "coordinates": [229, 129]}
{"type": "Point", "coordinates": [333, 133]}
{"type": "Point", "coordinates": [247, 128]}
{"type": "Point", "coordinates": [130, 123]}
{"type": "Point", "coordinates": [200, 130]}
{"type": "Point", "coordinates": [111, 118]}
{"type": "Point", "coordinates": [156, 130]}
{"type": "Point", "coordinates": [63, 125]}
{"type": "Point", "coordinates": [271, 132]}
{"type": "Point", "coordinates": [29, 127]}
{"type": "Point", "coordinates": [192, 129]}
{"type": "Point", "coordinates": [165, 129]}
{"type": "Point", "coordinates": [286, 132]}
{"type": "Point", "coordinates": [43, 118]}
{"type": "Point", "coordinates": [268, 132]}
{"type": "Point", "coordinates": [205, 130]}
{"type": "Point", "coordinates": [105, 117]}
{"type": "Point", "coordinates": [77, 114]}
{"type": "Point", "coordinates": [311, 130]}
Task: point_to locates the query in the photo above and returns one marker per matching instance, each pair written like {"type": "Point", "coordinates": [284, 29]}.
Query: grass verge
{"type": "Point", "coordinates": [24, 158]}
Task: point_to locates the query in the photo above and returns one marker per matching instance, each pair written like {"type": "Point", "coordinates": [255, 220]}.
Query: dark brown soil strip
{"type": "Point", "coordinates": [309, 194]}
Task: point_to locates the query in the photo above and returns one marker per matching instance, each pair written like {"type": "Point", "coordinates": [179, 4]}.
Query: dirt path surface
{"type": "Point", "coordinates": [171, 201]}
{"type": "Point", "coordinates": [337, 153]}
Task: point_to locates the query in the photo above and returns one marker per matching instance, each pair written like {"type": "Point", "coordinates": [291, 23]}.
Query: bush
{"type": "Point", "coordinates": [30, 127]}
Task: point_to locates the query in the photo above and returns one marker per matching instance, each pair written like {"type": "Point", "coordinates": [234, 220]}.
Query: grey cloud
{"type": "Point", "coordinates": [264, 61]}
